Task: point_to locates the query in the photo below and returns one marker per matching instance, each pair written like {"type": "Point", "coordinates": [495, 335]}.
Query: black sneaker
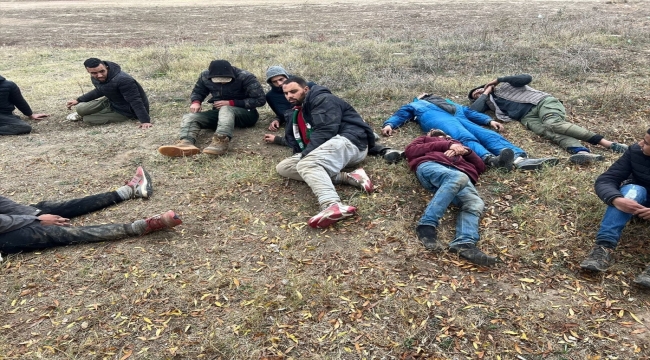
{"type": "Point", "coordinates": [644, 278]}
{"type": "Point", "coordinates": [428, 235]}
{"type": "Point", "coordinates": [585, 158]}
{"type": "Point", "coordinates": [599, 259]}
{"type": "Point", "coordinates": [473, 254]}
{"type": "Point", "coordinates": [393, 156]}
{"type": "Point", "coordinates": [505, 160]}
{"type": "Point", "coordinates": [536, 164]}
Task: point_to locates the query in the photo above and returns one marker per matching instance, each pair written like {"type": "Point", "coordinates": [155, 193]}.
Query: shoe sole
{"type": "Point", "coordinates": [213, 152]}
{"type": "Point", "coordinates": [550, 162]}
{"type": "Point", "coordinates": [173, 151]}
{"type": "Point", "coordinates": [326, 221]}
{"type": "Point", "coordinates": [581, 159]}
{"type": "Point", "coordinates": [593, 267]}
{"type": "Point", "coordinates": [642, 282]}
{"type": "Point", "coordinates": [367, 183]}
{"type": "Point", "coordinates": [507, 161]}
{"type": "Point", "coordinates": [147, 186]}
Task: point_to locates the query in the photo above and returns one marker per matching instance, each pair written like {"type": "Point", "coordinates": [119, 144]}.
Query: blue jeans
{"type": "Point", "coordinates": [451, 186]}
{"type": "Point", "coordinates": [615, 220]}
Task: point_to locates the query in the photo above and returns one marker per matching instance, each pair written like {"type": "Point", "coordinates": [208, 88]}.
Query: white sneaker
{"type": "Point", "coordinates": [74, 117]}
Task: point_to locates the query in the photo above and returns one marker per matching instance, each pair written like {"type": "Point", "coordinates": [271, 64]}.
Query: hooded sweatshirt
{"type": "Point", "coordinates": [11, 98]}
{"type": "Point", "coordinates": [124, 94]}
{"type": "Point", "coordinates": [426, 148]}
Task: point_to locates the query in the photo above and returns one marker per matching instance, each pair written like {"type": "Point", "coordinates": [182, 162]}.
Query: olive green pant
{"type": "Point", "coordinates": [99, 112]}
{"type": "Point", "coordinates": [223, 121]}
{"type": "Point", "coordinates": [548, 119]}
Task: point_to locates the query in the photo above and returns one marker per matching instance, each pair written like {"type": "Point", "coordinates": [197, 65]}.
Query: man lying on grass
{"type": "Point", "coordinates": [275, 77]}
{"type": "Point", "coordinates": [464, 125]}
{"type": "Point", "coordinates": [326, 135]}
{"type": "Point", "coordinates": [449, 170]}
{"type": "Point", "coordinates": [47, 224]}
{"type": "Point", "coordinates": [624, 187]}
{"type": "Point", "coordinates": [10, 99]}
{"type": "Point", "coordinates": [117, 97]}
{"type": "Point", "coordinates": [540, 113]}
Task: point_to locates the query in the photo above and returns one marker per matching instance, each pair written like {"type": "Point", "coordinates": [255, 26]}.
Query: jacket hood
{"type": "Point", "coordinates": [113, 70]}
{"type": "Point", "coordinates": [317, 90]}
{"type": "Point", "coordinates": [274, 71]}
{"type": "Point", "coordinates": [469, 95]}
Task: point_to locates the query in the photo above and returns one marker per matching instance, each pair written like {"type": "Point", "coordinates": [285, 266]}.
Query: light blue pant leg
{"type": "Point", "coordinates": [452, 127]}
{"type": "Point", "coordinates": [614, 220]}
{"type": "Point", "coordinates": [445, 182]}
{"type": "Point", "coordinates": [471, 207]}
{"type": "Point", "coordinates": [491, 140]}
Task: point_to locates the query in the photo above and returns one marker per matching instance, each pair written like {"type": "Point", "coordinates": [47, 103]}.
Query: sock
{"type": "Point", "coordinates": [339, 178]}
{"type": "Point", "coordinates": [125, 192]}
{"type": "Point", "coordinates": [139, 226]}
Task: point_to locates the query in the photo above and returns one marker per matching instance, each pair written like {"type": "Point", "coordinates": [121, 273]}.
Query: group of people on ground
{"type": "Point", "coordinates": [327, 136]}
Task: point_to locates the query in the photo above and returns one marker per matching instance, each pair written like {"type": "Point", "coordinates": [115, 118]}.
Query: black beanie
{"type": "Point", "coordinates": [220, 68]}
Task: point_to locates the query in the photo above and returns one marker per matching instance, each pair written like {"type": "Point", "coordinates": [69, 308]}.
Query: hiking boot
{"type": "Point", "coordinates": [505, 160]}
{"type": "Point", "coordinates": [644, 278]}
{"type": "Point", "coordinates": [183, 147]}
{"type": "Point", "coordinates": [585, 158]}
{"type": "Point", "coordinates": [166, 220]}
{"type": "Point", "coordinates": [393, 156]}
{"type": "Point", "coordinates": [473, 254]}
{"type": "Point", "coordinates": [74, 117]}
{"type": "Point", "coordinates": [599, 259]}
{"type": "Point", "coordinates": [331, 214]}
{"type": "Point", "coordinates": [141, 184]}
{"type": "Point", "coordinates": [428, 235]}
{"type": "Point", "coordinates": [535, 164]}
{"type": "Point", "coordinates": [360, 179]}
{"type": "Point", "coordinates": [618, 148]}
{"type": "Point", "coordinates": [218, 146]}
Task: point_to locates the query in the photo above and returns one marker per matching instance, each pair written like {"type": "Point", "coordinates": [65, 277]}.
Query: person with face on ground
{"type": "Point", "coordinates": [117, 97]}
{"type": "Point", "coordinates": [449, 170]}
{"type": "Point", "coordinates": [327, 135]}
{"type": "Point", "coordinates": [47, 224]}
{"type": "Point", "coordinates": [236, 95]}
{"type": "Point", "coordinates": [465, 125]}
{"type": "Point", "coordinates": [512, 99]}
{"type": "Point", "coordinates": [275, 77]}
{"type": "Point", "coordinates": [624, 187]}
{"type": "Point", "coordinates": [10, 99]}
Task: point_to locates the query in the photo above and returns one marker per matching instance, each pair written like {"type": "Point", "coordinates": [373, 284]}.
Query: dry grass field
{"type": "Point", "coordinates": [244, 277]}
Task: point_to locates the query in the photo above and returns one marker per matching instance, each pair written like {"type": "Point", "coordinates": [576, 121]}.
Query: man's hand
{"type": "Point", "coordinates": [195, 107]}
{"type": "Point", "coordinates": [643, 213]}
{"type": "Point", "coordinates": [56, 220]}
{"type": "Point", "coordinates": [492, 83]}
{"type": "Point", "coordinates": [275, 125]}
{"type": "Point", "coordinates": [221, 103]}
{"type": "Point", "coordinates": [488, 90]}
{"type": "Point", "coordinates": [268, 138]}
{"type": "Point", "coordinates": [387, 130]}
{"type": "Point", "coordinates": [145, 125]}
{"type": "Point", "coordinates": [38, 116]}
{"type": "Point", "coordinates": [627, 205]}
{"type": "Point", "coordinates": [458, 149]}
{"type": "Point", "coordinates": [496, 126]}
{"type": "Point", "coordinates": [71, 103]}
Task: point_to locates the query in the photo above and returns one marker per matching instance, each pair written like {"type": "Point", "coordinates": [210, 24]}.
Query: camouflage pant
{"type": "Point", "coordinates": [223, 121]}
{"type": "Point", "coordinates": [99, 112]}
{"type": "Point", "coordinates": [36, 236]}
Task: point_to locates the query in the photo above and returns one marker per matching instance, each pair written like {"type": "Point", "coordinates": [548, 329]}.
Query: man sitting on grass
{"type": "Point", "coordinates": [275, 77]}
{"type": "Point", "coordinates": [624, 187]}
{"type": "Point", "coordinates": [464, 125]}
{"type": "Point", "coordinates": [117, 97]}
{"type": "Point", "coordinates": [47, 224]}
{"type": "Point", "coordinates": [540, 113]}
{"type": "Point", "coordinates": [326, 135]}
{"type": "Point", "coordinates": [10, 99]}
{"type": "Point", "coordinates": [449, 170]}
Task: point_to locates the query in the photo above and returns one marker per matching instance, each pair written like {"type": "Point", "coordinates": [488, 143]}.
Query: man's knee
{"type": "Point", "coordinates": [475, 205]}
{"type": "Point", "coordinates": [286, 167]}
{"type": "Point", "coordinates": [20, 129]}
{"type": "Point", "coordinates": [634, 192]}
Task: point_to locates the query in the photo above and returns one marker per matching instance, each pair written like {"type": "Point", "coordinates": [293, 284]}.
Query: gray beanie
{"type": "Point", "coordinates": [275, 71]}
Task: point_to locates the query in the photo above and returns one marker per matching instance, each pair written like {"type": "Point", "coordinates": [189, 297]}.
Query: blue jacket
{"type": "Point", "coordinates": [464, 125]}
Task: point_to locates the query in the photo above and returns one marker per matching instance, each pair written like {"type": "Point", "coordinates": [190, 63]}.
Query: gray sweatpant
{"type": "Point", "coordinates": [321, 165]}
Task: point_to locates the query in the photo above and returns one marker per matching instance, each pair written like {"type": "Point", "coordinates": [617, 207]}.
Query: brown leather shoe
{"type": "Point", "coordinates": [181, 148]}
{"type": "Point", "coordinates": [218, 146]}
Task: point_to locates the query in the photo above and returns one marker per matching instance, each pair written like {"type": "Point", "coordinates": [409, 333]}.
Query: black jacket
{"type": "Point", "coordinates": [11, 98]}
{"type": "Point", "coordinates": [633, 167]}
{"type": "Point", "coordinates": [245, 90]}
{"type": "Point", "coordinates": [125, 95]}
{"type": "Point", "coordinates": [329, 116]}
